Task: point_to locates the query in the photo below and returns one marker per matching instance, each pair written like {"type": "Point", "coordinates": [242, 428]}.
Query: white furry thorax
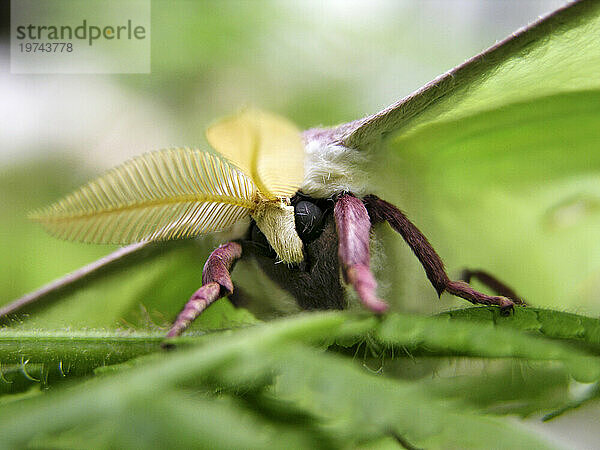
{"type": "Point", "coordinates": [331, 168]}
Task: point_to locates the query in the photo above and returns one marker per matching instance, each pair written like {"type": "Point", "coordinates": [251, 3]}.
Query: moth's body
{"type": "Point", "coordinates": [330, 168]}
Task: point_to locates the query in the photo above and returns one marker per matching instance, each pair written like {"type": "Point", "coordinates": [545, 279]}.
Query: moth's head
{"type": "Point", "coordinates": [283, 231]}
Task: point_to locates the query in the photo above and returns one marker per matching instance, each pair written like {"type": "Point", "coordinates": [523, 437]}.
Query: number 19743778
{"type": "Point", "coordinates": [43, 47]}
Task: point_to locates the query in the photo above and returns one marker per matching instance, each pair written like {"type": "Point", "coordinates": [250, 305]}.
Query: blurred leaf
{"type": "Point", "coordinates": [591, 392]}
{"type": "Point", "coordinates": [504, 387]}
{"type": "Point", "coordinates": [245, 360]}
{"type": "Point", "coordinates": [361, 406]}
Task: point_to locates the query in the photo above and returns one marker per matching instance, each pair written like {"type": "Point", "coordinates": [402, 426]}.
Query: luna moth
{"type": "Point", "coordinates": [310, 211]}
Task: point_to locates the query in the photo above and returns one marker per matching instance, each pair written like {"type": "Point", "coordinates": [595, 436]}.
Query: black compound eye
{"type": "Point", "coordinates": [309, 220]}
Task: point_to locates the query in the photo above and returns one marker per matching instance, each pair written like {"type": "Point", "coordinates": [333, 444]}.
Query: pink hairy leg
{"type": "Point", "coordinates": [216, 283]}
{"type": "Point", "coordinates": [353, 230]}
{"type": "Point", "coordinates": [381, 210]}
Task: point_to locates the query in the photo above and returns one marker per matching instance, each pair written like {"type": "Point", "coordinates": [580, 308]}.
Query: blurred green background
{"type": "Point", "coordinates": [318, 64]}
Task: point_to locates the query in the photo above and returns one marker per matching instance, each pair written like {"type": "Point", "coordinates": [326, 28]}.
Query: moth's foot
{"type": "Point", "coordinates": [377, 305]}
{"type": "Point", "coordinates": [353, 226]}
{"type": "Point", "coordinates": [519, 301]}
{"type": "Point", "coordinates": [507, 310]}
{"type": "Point", "coordinates": [464, 290]}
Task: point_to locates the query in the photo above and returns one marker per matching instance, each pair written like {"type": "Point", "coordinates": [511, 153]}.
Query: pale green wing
{"type": "Point", "coordinates": [168, 194]}
{"type": "Point", "coordinates": [559, 53]}
{"type": "Point", "coordinates": [267, 147]}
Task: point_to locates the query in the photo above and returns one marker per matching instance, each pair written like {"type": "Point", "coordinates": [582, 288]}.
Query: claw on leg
{"type": "Point", "coordinates": [216, 284]}
{"type": "Point", "coordinates": [382, 211]}
{"type": "Point", "coordinates": [353, 229]}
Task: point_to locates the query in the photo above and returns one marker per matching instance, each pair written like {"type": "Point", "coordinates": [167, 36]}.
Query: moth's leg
{"type": "Point", "coordinates": [499, 287]}
{"type": "Point", "coordinates": [353, 229]}
{"type": "Point", "coordinates": [380, 211]}
{"type": "Point", "coordinates": [216, 283]}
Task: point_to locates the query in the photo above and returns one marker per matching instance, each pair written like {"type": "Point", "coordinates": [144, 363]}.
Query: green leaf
{"type": "Point", "coordinates": [552, 324]}
{"type": "Point", "coordinates": [505, 387]}
{"type": "Point", "coordinates": [441, 336]}
{"type": "Point", "coordinates": [359, 405]}
{"type": "Point", "coordinates": [339, 395]}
